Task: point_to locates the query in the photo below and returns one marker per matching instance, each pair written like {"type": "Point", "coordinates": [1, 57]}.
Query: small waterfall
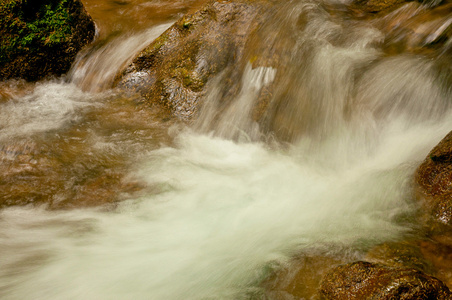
{"type": "Point", "coordinates": [96, 68]}
{"type": "Point", "coordinates": [332, 76]}
{"type": "Point", "coordinates": [313, 151]}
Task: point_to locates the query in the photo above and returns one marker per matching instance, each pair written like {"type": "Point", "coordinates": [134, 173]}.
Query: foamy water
{"type": "Point", "coordinates": [228, 201]}
{"type": "Point", "coordinates": [50, 106]}
{"type": "Point", "coordinates": [220, 213]}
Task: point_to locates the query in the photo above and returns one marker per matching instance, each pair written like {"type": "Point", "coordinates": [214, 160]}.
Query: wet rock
{"type": "Point", "coordinates": [364, 280]}
{"type": "Point", "coordinates": [418, 29]}
{"type": "Point", "coordinates": [41, 38]}
{"type": "Point", "coordinates": [439, 254]}
{"type": "Point", "coordinates": [173, 71]}
{"type": "Point", "coordinates": [85, 164]}
{"type": "Point", "coordinates": [28, 174]}
{"type": "Point", "coordinates": [400, 254]}
{"type": "Point", "coordinates": [300, 278]}
{"type": "Point", "coordinates": [375, 6]}
{"type": "Point", "coordinates": [434, 187]}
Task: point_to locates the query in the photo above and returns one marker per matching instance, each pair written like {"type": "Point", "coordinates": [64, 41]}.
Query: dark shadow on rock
{"type": "Point", "coordinates": [40, 39]}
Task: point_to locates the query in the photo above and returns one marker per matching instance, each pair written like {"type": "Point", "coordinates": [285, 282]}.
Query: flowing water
{"type": "Point", "coordinates": [207, 210]}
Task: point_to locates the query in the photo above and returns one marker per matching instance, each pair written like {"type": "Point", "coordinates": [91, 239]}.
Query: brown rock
{"type": "Point", "coordinates": [72, 169]}
{"type": "Point", "coordinates": [375, 6]}
{"type": "Point", "coordinates": [174, 69]}
{"type": "Point", "coordinates": [439, 253]}
{"type": "Point", "coordinates": [364, 280]}
{"type": "Point", "coordinates": [417, 29]}
{"type": "Point", "coordinates": [28, 174]}
{"type": "Point", "coordinates": [300, 279]}
{"type": "Point", "coordinates": [434, 187]}
{"type": "Point", "coordinates": [400, 254]}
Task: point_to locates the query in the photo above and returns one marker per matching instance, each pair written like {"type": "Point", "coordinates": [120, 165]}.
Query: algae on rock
{"type": "Point", "coordinates": [41, 38]}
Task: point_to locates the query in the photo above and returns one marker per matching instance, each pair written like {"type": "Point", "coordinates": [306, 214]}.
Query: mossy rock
{"type": "Point", "coordinates": [173, 71]}
{"type": "Point", "coordinates": [41, 38]}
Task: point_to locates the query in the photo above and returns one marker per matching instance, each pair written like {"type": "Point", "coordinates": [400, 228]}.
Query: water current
{"type": "Point", "coordinates": [206, 210]}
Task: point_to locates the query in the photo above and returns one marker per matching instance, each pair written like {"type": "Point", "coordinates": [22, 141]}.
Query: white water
{"type": "Point", "coordinates": [49, 107]}
{"type": "Point", "coordinates": [219, 212]}
{"type": "Point", "coordinates": [95, 70]}
{"type": "Point", "coordinates": [222, 213]}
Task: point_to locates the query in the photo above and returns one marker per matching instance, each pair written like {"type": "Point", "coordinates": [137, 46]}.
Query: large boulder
{"type": "Point", "coordinates": [173, 70]}
{"type": "Point", "coordinates": [364, 280]}
{"type": "Point", "coordinates": [41, 38]}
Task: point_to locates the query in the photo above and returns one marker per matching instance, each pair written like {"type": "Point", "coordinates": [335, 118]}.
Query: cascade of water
{"type": "Point", "coordinates": [96, 68]}
{"type": "Point", "coordinates": [221, 207]}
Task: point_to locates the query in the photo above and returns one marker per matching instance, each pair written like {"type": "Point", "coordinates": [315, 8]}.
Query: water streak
{"type": "Point", "coordinates": [95, 70]}
{"type": "Point", "coordinates": [221, 207]}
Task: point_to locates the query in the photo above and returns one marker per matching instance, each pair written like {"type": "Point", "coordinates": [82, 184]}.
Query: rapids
{"type": "Point", "coordinates": [216, 205]}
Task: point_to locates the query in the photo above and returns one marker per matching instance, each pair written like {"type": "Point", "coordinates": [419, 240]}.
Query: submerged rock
{"type": "Point", "coordinates": [375, 6]}
{"type": "Point", "coordinates": [439, 254]}
{"type": "Point", "coordinates": [400, 254]}
{"type": "Point", "coordinates": [417, 28]}
{"type": "Point", "coordinates": [173, 70]}
{"type": "Point", "coordinates": [364, 280]}
{"type": "Point", "coordinates": [300, 278]}
{"type": "Point", "coordinates": [41, 38]}
{"type": "Point", "coordinates": [434, 187]}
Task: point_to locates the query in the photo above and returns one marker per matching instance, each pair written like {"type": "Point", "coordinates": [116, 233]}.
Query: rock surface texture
{"type": "Point", "coordinates": [174, 70]}
{"type": "Point", "coordinates": [363, 280]}
{"type": "Point", "coordinates": [41, 38]}
{"type": "Point", "coordinates": [434, 187]}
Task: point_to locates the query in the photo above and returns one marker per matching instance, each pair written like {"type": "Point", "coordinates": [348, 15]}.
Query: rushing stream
{"type": "Point", "coordinates": [207, 210]}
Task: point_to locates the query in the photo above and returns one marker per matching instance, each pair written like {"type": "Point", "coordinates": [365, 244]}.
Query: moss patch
{"type": "Point", "coordinates": [23, 30]}
{"type": "Point", "coordinates": [38, 32]}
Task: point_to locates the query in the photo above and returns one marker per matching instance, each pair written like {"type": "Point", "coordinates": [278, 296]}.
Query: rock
{"type": "Point", "coordinates": [400, 254]}
{"type": "Point", "coordinates": [41, 38]}
{"type": "Point", "coordinates": [439, 253]}
{"type": "Point", "coordinates": [85, 164]}
{"type": "Point", "coordinates": [434, 187]}
{"type": "Point", "coordinates": [417, 29]}
{"type": "Point", "coordinates": [375, 6]}
{"type": "Point", "coordinates": [300, 278]}
{"type": "Point", "coordinates": [28, 174]}
{"type": "Point", "coordinates": [364, 280]}
{"type": "Point", "coordinates": [173, 70]}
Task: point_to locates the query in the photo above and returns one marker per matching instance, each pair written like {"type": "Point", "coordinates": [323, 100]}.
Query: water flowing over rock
{"type": "Point", "coordinates": [402, 255]}
{"type": "Point", "coordinates": [363, 280]}
{"type": "Point", "coordinates": [175, 68]}
{"type": "Point", "coordinates": [41, 38]}
{"type": "Point", "coordinates": [375, 6]}
{"type": "Point", "coordinates": [417, 28]}
{"type": "Point", "coordinates": [307, 118]}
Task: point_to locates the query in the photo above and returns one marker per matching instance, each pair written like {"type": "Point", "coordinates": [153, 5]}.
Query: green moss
{"type": "Point", "coordinates": [155, 46]}
{"type": "Point", "coordinates": [24, 27]}
{"type": "Point", "coordinates": [190, 79]}
{"type": "Point", "coordinates": [159, 42]}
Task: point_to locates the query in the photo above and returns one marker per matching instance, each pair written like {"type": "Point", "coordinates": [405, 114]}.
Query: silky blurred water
{"type": "Point", "coordinates": [222, 201]}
